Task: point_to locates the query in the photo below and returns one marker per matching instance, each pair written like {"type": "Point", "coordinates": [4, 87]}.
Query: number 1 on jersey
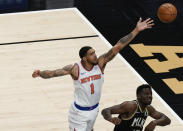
{"type": "Point", "coordinates": [92, 88]}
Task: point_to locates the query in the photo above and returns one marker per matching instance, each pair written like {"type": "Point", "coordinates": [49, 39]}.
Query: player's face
{"type": "Point", "coordinates": [91, 57]}
{"type": "Point", "coordinates": [146, 96]}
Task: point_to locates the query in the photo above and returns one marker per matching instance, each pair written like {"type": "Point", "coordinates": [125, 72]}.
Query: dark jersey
{"type": "Point", "coordinates": [134, 123]}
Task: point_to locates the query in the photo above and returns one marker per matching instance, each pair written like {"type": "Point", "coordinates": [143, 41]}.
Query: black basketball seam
{"type": "Point", "coordinates": [168, 8]}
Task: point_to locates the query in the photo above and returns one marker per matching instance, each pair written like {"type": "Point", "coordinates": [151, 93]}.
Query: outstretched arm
{"type": "Point", "coordinates": [160, 119]}
{"type": "Point", "coordinates": [69, 69]}
{"type": "Point", "coordinates": [103, 59]}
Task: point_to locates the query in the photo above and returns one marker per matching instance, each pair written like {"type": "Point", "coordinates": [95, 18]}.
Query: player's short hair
{"type": "Point", "coordinates": [141, 87]}
{"type": "Point", "coordinates": [83, 51]}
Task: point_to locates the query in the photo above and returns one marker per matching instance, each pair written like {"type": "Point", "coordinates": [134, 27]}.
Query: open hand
{"type": "Point", "coordinates": [146, 24]}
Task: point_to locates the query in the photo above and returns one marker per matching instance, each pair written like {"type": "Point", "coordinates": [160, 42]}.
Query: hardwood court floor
{"type": "Point", "coordinates": [28, 104]}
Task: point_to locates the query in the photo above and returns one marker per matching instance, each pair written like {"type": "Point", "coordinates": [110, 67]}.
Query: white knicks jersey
{"type": "Point", "coordinates": [88, 86]}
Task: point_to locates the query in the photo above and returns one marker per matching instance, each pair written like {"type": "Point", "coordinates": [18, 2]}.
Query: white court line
{"type": "Point", "coordinates": [131, 68]}
{"type": "Point", "coordinates": [107, 43]}
{"type": "Point", "coordinates": [39, 11]}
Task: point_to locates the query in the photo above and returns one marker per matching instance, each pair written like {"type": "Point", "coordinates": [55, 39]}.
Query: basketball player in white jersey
{"type": "Point", "coordinates": [88, 78]}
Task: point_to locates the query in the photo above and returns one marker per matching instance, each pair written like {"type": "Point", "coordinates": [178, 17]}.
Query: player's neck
{"type": "Point", "coordinates": [142, 106]}
{"type": "Point", "coordinates": [87, 65]}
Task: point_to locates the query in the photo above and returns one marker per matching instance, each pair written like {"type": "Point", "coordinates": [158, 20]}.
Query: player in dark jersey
{"type": "Point", "coordinates": [133, 114]}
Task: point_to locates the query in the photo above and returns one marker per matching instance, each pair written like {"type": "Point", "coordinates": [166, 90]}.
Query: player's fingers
{"type": "Point", "coordinates": [148, 27]}
{"type": "Point", "coordinates": [148, 19]}
{"type": "Point", "coordinates": [150, 24]}
{"type": "Point", "coordinates": [140, 19]}
{"type": "Point", "coordinates": [114, 122]}
{"type": "Point", "coordinates": [119, 121]}
{"type": "Point", "coordinates": [37, 72]}
{"type": "Point", "coordinates": [33, 75]}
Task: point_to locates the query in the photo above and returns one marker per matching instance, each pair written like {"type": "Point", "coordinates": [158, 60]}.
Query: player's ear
{"type": "Point", "coordinates": [84, 58]}
{"type": "Point", "coordinates": [138, 96]}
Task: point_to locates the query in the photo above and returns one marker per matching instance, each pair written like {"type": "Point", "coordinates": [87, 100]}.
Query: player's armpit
{"type": "Point", "coordinates": [160, 118]}
{"type": "Point", "coordinates": [75, 72]}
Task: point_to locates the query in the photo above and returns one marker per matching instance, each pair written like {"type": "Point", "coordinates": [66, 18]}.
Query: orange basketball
{"type": "Point", "coordinates": [167, 13]}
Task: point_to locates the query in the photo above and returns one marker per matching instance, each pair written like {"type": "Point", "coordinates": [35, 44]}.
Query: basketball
{"type": "Point", "coordinates": [167, 13]}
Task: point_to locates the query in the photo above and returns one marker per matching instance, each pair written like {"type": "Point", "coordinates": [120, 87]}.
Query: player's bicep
{"type": "Point", "coordinates": [64, 71]}
{"type": "Point", "coordinates": [119, 109]}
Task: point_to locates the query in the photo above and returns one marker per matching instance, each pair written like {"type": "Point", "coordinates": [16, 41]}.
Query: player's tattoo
{"type": "Point", "coordinates": [59, 72]}
{"type": "Point", "coordinates": [126, 38]}
{"type": "Point", "coordinates": [109, 55]}
{"type": "Point", "coordinates": [115, 50]}
{"type": "Point", "coordinates": [46, 74]}
{"type": "Point", "coordinates": [68, 68]}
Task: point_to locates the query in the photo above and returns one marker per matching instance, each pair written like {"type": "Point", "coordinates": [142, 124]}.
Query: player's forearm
{"type": "Point", "coordinates": [46, 74]}
{"type": "Point", "coordinates": [119, 46]}
{"type": "Point", "coordinates": [123, 42]}
{"type": "Point", "coordinates": [107, 114]}
{"type": "Point", "coordinates": [163, 121]}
